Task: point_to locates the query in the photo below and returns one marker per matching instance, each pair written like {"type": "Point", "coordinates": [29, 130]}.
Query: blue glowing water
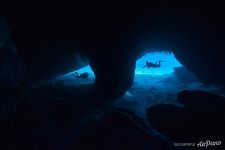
{"type": "Point", "coordinates": [82, 70]}
{"type": "Point", "coordinates": [166, 67]}
{"type": "Point", "coordinates": [69, 79]}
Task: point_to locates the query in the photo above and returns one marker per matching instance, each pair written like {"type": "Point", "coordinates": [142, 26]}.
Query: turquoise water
{"type": "Point", "coordinates": [166, 67]}
{"type": "Point", "coordinates": [69, 79]}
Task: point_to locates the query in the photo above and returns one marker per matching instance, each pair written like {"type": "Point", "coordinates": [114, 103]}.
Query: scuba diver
{"type": "Point", "coordinates": [153, 65]}
{"type": "Point", "coordinates": [81, 76]}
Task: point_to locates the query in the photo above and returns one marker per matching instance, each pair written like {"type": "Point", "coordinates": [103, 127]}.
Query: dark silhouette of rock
{"type": "Point", "coordinates": [13, 72]}
{"type": "Point", "coordinates": [121, 130]}
{"type": "Point", "coordinates": [45, 117]}
{"type": "Point", "coordinates": [203, 100]}
{"type": "Point", "coordinates": [200, 119]}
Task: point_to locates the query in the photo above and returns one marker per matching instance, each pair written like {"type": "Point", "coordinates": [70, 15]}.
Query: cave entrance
{"type": "Point", "coordinates": [159, 74]}
{"type": "Point", "coordinates": [164, 75]}
{"type": "Point", "coordinates": [81, 76]}
{"type": "Point", "coordinates": [156, 64]}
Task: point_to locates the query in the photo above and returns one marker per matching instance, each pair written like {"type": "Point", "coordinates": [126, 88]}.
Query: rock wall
{"type": "Point", "coordinates": [13, 72]}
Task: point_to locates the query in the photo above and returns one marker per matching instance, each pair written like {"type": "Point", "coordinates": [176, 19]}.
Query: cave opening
{"type": "Point", "coordinates": [156, 63]}
{"type": "Point", "coordinates": [157, 70]}
{"type": "Point", "coordinates": [80, 76]}
{"type": "Point", "coordinates": [160, 71]}
{"type": "Point", "coordinates": [160, 84]}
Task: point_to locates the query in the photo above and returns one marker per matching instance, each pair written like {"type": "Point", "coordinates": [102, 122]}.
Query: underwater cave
{"type": "Point", "coordinates": [82, 76]}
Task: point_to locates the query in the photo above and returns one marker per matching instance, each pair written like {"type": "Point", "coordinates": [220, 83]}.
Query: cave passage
{"type": "Point", "coordinates": [160, 85]}
{"type": "Point", "coordinates": [69, 78]}
{"type": "Point", "coordinates": [166, 66]}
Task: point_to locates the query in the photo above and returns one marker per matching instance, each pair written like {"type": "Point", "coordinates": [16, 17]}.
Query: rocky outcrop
{"type": "Point", "coordinates": [120, 130]}
{"type": "Point", "coordinates": [200, 119]}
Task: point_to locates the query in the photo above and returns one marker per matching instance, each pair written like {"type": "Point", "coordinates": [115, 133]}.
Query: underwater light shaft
{"type": "Point", "coordinates": [165, 66]}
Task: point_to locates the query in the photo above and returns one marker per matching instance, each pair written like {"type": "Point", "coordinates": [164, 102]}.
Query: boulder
{"type": "Point", "coordinates": [200, 119]}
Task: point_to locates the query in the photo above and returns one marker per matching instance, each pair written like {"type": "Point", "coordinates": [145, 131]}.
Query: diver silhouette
{"type": "Point", "coordinates": [153, 65]}
{"type": "Point", "coordinates": [81, 76]}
